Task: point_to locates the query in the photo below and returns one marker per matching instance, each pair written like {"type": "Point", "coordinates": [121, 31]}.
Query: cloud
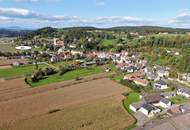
{"type": "Point", "coordinates": [19, 16]}
{"type": "Point", "coordinates": [182, 19]}
{"type": "Point", "coordinates": [100, 2]}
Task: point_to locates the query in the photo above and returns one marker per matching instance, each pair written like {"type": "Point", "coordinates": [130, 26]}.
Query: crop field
{"type": "Point", "coordinates": [95, 104]}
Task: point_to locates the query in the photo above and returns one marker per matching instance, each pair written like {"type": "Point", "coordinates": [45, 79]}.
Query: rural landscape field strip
{"type": "Point", "coordinates": [41, 103]}
{"type": "Point", "coordinates": [27, 91]}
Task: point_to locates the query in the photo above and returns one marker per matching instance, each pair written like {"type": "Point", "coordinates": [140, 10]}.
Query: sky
{"type": "Point", "coordinates": [97, 13]}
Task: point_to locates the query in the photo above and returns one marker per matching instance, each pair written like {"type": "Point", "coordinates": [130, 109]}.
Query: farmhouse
{"type": "Point", "coordinates": [183, 92]}
{"type": "Point", "coordinates": [149, 110]}
{"type": "Point", "coordinates": [160, 84]}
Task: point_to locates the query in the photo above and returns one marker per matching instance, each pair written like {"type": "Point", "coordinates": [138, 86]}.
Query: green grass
{"type": "Point", "coordinates": [108, 42]}
{"type": "Point", "coordinates": [131, 98]}
{"type": "Point", "coordinates": [68, 76]}
{"type": "Point", "coordinates": [179, 100]}
{"type": "Point", "coordinates": [118, 78]}
{"type": "Point", "coordinates": [18, 71]}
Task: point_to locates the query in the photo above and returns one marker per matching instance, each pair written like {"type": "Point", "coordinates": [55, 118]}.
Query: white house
{"type": "Point", "coordinates": [163, 72]}
{"type": "Point", "coordinates": [136, 106]}
{"type": "Point", "coordinates": [165, 103]}
{"type": "Point", "coordinates": [149, 110]}
{"type": "Point", "coordinates": [160, 84]}
{"type": "Point", "coordinates": [183, 92]}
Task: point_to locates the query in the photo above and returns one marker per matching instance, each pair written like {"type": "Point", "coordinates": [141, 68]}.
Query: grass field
{"type": "Point", "coordinates": [131, 98]}
{"type": "Point", "coordinates": [69, 76]}
{"type": "Point", "coordinates": [18, 71]}
{"type": "Point", "coordinates": [179, 100]}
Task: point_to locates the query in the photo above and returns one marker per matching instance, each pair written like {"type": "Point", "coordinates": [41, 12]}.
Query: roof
{"type": "Point", "coordinates": [164, 100]}
{"type": "Point", "coordinates": [138, 105]}
{"type": "Point", "coordinates": [153, 98]}
{"type": "Point", "coordinates": [143, 81]}
{"type": "Point", "coordinates": [184, 89]}
{"type": "Point", "coordinates": [148, 107]}
{"type": "Point", "coordinates": [165, 94]}
{"type": "Point", "coordinates": [161, 82]}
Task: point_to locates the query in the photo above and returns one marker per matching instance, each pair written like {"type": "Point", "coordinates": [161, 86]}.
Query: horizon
{"type": "Point", "coordinates": [94, 13]}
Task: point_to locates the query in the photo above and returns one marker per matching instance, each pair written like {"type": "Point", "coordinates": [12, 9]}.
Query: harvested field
{"type": "Point", "coordinates": [102, 114]}
{"type": "Point", "coordinates": [87, 105]}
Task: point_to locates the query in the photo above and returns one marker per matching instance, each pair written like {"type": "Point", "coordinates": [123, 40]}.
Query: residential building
{"type": "Point", "coordinates": [160, 84]}
{"type": "Point", "coordinates": [149, 110]}
{"type": "Point", "coordinates": [183, 91]}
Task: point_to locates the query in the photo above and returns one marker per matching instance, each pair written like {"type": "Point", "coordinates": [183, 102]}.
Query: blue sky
{"type": "Point", "coordinates": [98, 13]}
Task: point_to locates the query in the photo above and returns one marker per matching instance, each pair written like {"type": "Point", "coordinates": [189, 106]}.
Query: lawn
{"type": "Point", "coordinates": [118, 78]}
{"type": "Point", "coordinates": [179, 100]}
{"type": "Point", "coordinates": [108, 43]}
{"type": "Point", "coordinates": [69, 76]}
{"type": "Point", "coordinates": [131, 98]}
{"type": "Point", "coordinates": [17, 71]}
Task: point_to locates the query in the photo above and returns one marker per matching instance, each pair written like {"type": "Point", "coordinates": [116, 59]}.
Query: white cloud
{"type": "Point", "coordinates": [100, 2]}
{"type": "Point", "coordinates": [182, 19]}
{"type": "Point", "coordinates": [25, 17]}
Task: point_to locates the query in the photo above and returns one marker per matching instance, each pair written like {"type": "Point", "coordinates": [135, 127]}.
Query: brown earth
{"type": "Point", "coordinates": [88, 105]}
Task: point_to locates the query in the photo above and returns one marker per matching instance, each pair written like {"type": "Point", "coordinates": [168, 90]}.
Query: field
{"type": "Point", "coordinates": [90, 105]}
{"type": "Point", "coordinates": [17, 71]}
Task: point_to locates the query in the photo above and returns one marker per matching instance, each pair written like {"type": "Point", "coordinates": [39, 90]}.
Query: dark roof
{"type": "Point", "coordinates": [184, 89]}
{"type": "Point", "coordinates": [153, 98]}
{"type": "Point", "coordinates": [161, 82]}
{"type": "Point", "coordinates": [164, 100]}
{"type": "Point", "coordinates": [138, 105]}
{"type": "Point", "coordinates": [148, 107]}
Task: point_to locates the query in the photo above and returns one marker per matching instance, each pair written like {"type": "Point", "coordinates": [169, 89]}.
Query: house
{"type": "Point", "coordinates": [183, 92]}
{"type": "Point", "coordinates": [133, 76]}
{"type": "Point", "coordinates": [163, 73]}
{"type": "Point", "coordinates": [152, 76]}
{"type": "Point", "coordinates": [168, 94]}
{"type": "Point", "coordinates": [136, 106]}
{"type": "Point", "coordinates": [152, 98]}
{"type": "Point", "coordinates": [131, 69]}
{"type": "Point", "coordinates": [142, 82]}
{"type": "Point", "coordinates": [165, 103]}
{"type": "Point", "coordinates": [160, 84]}
{"type": "Point", "coordinates": [149, 110]}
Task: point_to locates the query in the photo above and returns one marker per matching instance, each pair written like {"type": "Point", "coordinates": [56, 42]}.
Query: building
{"type": "Point", "coordinates": [142, 82]}
{"type": "Point", "coordinates": [149, 110]}
{"type": "Point", "coordinates": [136, 106]}
{"type": "Point", "coordinates": [183, 92]}
{"type": "Point", "coordinates": [132, 69]}
{"type": "Point", "coordinates": [165, 103]}
{"type": "Point", "coordinates": [163, 73]}
{"type": "Point", "coordinates": [160, 84]}
{"type": "Point", "coordinates": [152, 98]}
{"type": "Point", "coordinates": [168, 94]}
